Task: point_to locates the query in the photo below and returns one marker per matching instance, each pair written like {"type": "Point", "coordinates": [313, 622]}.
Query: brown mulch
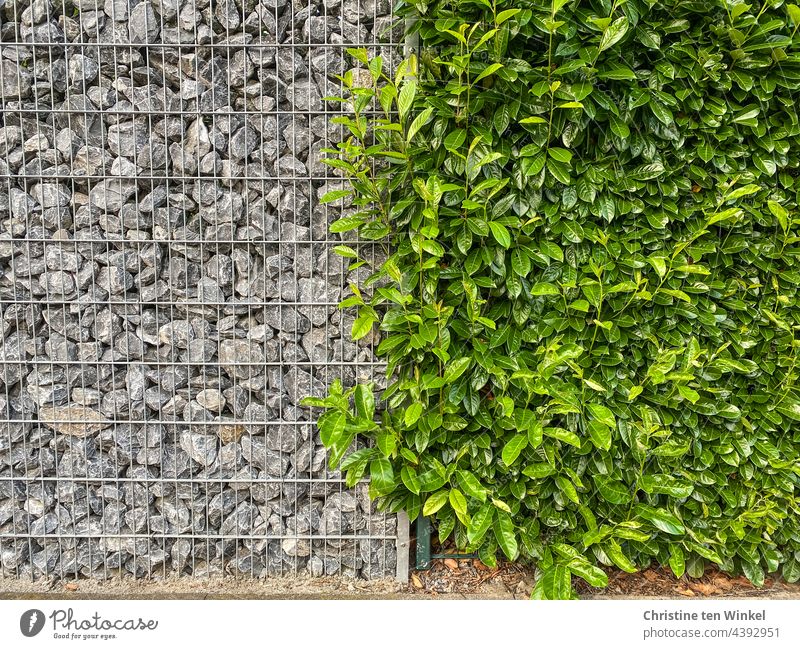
{"type": "Point", "coordinates": [470, 577]}
{"type": "Point", "coordinates": [661, 583]}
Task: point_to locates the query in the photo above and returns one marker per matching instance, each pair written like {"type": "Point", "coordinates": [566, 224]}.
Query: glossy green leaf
{"type": "Point", "coordinates": [513, 448]}
{"type": "Point", "coordinates": [413, 413]}
{"type": "Point", "coordinates": [504, 534]}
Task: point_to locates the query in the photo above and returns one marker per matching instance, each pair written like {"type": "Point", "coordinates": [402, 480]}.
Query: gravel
{"type": "Point", "coordinates": [168, 291]}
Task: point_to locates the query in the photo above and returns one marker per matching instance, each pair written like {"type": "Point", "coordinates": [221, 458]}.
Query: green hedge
{"type": "Point", "coordinates": [591, 312]}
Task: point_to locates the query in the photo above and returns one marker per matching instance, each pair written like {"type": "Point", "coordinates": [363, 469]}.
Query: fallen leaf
{"type": "Point", "coordinates": [687, 592]}
{"type": "Point", "coordinates": [650, 575]}
{"type": "Point", "coordinates": [705, 589]}
{"type": "Point", "coordinates": [451, 563]}
{"type": "Point", "coordinates": [72, 587]}
{"type": "Point", "coordinates": [416, 581]}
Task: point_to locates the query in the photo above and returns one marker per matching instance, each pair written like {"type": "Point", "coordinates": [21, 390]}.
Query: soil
{"type": "Point", "coordinates": [447, 579]}
{"type": "Point", "coordinates": [469, 577]}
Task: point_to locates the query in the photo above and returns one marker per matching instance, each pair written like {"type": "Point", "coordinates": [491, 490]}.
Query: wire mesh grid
{"type": "Point", "coordinates": [169, 291]}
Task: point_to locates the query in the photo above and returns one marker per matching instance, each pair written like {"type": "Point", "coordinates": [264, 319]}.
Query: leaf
{"type": "Point", "coordinates": [602, 414]}
{"type": "Point", "coordinates": [753, 572]}
{"type": "Point", "coordinates": [419, 121]}
{"type": "Point", "coordinates": [614, 33]}
{"type": "Point", "coordinates": [562, 155]}
{"type": "Point", "coordinates": [567, 488]}
{"type": "Point", "coordinates": [789, 409]}
{"type": "Point", "coordinates": [362, 326]}
{"type": "Point", "coordinates": [592, 575]}
{"type": "Point", "coordinates": [611, 363]}
{"type": "Point", "coordinates": [455, 139]}
{"type": "Point", "coordinates": [534, 119]}
{"type": "Point", "coordinates": [618, 127]}
{"type": "Point", "coordinates": [412, 414]}
{"type": "Point", "coordinates": [504, 533]}
{"type": "Point", "coordinates": [612, 490]}
{"type": "Point", "coordinates": [346, 224]}
{"type": "Point", "coordinates": [600, 434]}
{"type": "Point", "coordinates": [488, 70]}
{"type": "Point", "coordinates": [435, 502]}
{"type": "Point", "coordinates": [765, 164]}
{"type": "Point", "coordinates": [572, 231]}
{"type": "Point", "coordinates": [677, 561]}
{"type": "Point", "coordinates": [480, 523]}
{"type": "Point", "coordinates": [705, 151]}
{"type": "Point", "coordinates": [663, 520]}
{"type": "Point", "coordinates": [545, 288]}
{"type": "Point", "coordinates": [331, 426]}
{"type": "Point", "coordinates": [507, 14]}
{"type": "Point", "coordinates": [605, 205]}
{"type": "Point", "coordinates": [406, 97]}
{"type": "Point", "coordinates": [500, 233]}
{"type": "Point", "coordinates": [472, 485]}
{"type": "Point", "coordinates": [538, 470]}
{"type": "Point", "coordinates": [666, 484]}
{"type": "Point", "coordinates": [409, 477]}
{"type": "Point", "coordinates": [535, 434]}
{"type": "Point", "coordinates": [780, 213]}
{"type": "Point", "coordinates": [648, 171]}
{"type": "Point", "coordinates": [741, 192]}
{"type": "Point", "coordinates": [559, 170]}
{"type": "Point", "coordinates": [620, 559]}
{"type": "Point", "coordinates": [365, 402]}
{"type": "Point", "coordinates": [659, 264]}
{"type": "Point", "coordinates": [334, 195]}
{"type": "Point", "coordinates": [381, 475]}
{"type": "Point", "coordinates": [459, 504]}
{"type": "Point", "coordinates": [386, 442]}
{"type": "Point", "coordinates": [455, 368]}
{"type": "Point", "coordinates": [553, 584]}
{"type": "Point", "coordinates": [563, 435]}
{"type": "Point", "coordinates": [345, 251]}
{"type": "Point", "coordinates": [791, 571]}
{"type": "Point", "coordinates": [552, 250]}
{"type": "Point", "coordinates": [663, 113]}
{"type": "Point", "coordinates": [593, 384]}
{"type": "Point", "coordinates": [687, 393]}
{"type": "Point", "coordinates": [513, 448]}
{"type": "Point", "coordinates": [615, 71]}
{"type": "Point", "coordinates": [520, 262]}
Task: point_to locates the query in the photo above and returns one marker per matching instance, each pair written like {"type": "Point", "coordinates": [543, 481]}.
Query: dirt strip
{"type": "Point", "coordinates": [449, 579]}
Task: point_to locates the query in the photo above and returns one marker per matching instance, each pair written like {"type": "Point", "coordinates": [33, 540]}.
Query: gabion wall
{"type": "Point", "coordinates": [168, 289]}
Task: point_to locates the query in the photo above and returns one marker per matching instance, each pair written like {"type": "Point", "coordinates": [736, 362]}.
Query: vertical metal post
{"type": "Point", "coordinates": [423, 555]}
{"type": "Point", "coordinates": [411, 43]}
{"type": "Point", "coordinates": [402, 547]}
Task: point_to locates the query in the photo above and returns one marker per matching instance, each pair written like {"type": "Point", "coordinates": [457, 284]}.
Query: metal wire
{"type": "Point", "coordinates": [169, 292]}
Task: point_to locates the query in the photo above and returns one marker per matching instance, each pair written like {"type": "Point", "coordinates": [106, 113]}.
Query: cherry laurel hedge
{"type": "Point", "coordinates": [590, 309]}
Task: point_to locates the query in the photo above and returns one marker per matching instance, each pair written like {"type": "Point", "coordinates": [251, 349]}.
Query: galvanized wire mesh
{"type": "Point", "coordinates": [169, 290]}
